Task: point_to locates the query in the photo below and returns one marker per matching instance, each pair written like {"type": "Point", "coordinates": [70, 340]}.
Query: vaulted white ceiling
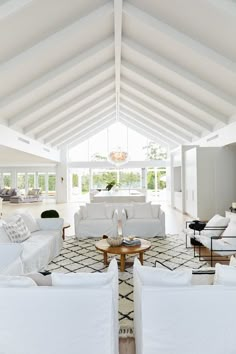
{"type": "Point", "coordinates": [69, 68]}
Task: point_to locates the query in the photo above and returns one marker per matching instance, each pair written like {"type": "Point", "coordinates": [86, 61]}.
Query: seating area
{"type": "Point", "coordinates": [33, 195]}
{"type": "Point", "coordinates": [7, 193]}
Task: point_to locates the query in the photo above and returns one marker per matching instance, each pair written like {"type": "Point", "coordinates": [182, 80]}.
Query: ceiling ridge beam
{"type": "Point", "coordinates": [86, 132]}
{"type": "Point", "coordinates": [156, 100]}
{"type": "Point", "coordinates": [70, 128]}
{"type": "Point", "coordinates": [146, 129]}
{"type": "Point", "coordinates": [75, 27]}
{"type": "Point", "coordinates": [79, 139]}
{"type": "Point", "coordinates": [10, 7]}
{"type": "Point", "coordinates": [124, 120]}
{"type": "Point", "coordinates": [163, 129]}
{"type": "Point", "coordinates": [175, 92]}
{"type": "Point", "coordinates": [171, 33]}
{"type": "Point", "coordinates": [118, 5]}
{"type": "Point", "coordinates": [72, 118]}
{"type": "Point", "coordinates": [60, 70]}
{"type": "Point", "coordinates": [182, 73]}
{"type": "Point", "coordinates": [59, 94]}
{"type": "Point", "coordinates": [161, 115]}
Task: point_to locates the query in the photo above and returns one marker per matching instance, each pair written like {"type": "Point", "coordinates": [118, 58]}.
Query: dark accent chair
{"type": "Point", "coordinates": [50, 214]}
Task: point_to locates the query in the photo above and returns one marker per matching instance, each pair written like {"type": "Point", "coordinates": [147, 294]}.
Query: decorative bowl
{"type": "Point", "coordinates": [115, 241]}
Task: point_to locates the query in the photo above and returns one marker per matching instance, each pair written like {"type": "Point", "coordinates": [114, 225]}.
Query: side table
{"type": "Point", "coordinates": [66, 226]}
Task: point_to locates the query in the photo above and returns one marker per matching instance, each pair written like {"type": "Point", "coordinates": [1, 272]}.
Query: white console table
{"type": "Point", "coordinates": [121, 196]}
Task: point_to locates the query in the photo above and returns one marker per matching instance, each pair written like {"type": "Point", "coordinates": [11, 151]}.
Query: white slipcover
{"type": "Point", "coordinates": [183, 319]}
{"type": "Point", "coordinates": [89, 227]}
{"type": "Point", "coordinates": [48, 320]}
{"type": "Point", "coordinates": [144, 227]}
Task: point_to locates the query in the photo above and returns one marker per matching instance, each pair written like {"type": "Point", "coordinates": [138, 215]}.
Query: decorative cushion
{"type": "Point", "coordinates": [129, 209]}
{"type": "Point", "coordinates": [96, 211]}
{"type": "Point", "coordinates": [163, 277]}
{"type": "Point", "coordinates": [156, 210]}
{"type": "Point", "coordinates": [224, 275]}
{"type": "Point", "coordinates": [9, 281]}
{"type": "Point", "coordinates": [216, 221]}
{"type": "Point", "coordinates": [109, 211]}
{"type": "Point", "coordinates": [143, 211]}
{"type": "Point", "coordinates": [29, 220]}
{"type": "Point", "coordinates": [16, 230]}
{"type": "Point", "coordinates": [232, 261]}
{"type": "Point", "coordinates": [230, 231]}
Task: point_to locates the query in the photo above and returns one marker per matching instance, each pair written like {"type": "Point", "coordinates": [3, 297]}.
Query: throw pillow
{"type": "Point", "coordinates": [17, 231]}
{"type": "Point", "coordinates": [29, 220]}
{"type": "Point", "coordinates": [96, 211]}
{"type": "Point", "coordinates": [129, 209]}
{"type": "Point", "coordinates": [163, 277]}
{"type": "Point", "coordinates": [109, 211]}
{"type": "Point", "coordinates": [91, 280]}
{"type": "Point", "coordinates": [216, 221]}
{"type": "Point", "coordinates": [232, 261]}
{"type": "Point", "coordinates": [225, 275]}
{"type": "Point", "coordinates": [9, 281]}
{"type": "Point", "coordinates": [143, 211]}
{"type": "Point", "coordinates": [156, 210]}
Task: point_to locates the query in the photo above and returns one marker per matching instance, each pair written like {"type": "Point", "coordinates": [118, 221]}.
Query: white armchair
{"type": "Point", "coordinates": [143, 220]}
{"type": "Point", "coordinates": [96, 219]}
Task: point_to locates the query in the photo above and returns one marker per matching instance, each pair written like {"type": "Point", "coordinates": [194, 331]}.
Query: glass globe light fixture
{"type": "Point", "coordinates": [118, 157]}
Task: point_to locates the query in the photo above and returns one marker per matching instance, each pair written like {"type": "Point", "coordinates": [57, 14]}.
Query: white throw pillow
{"type": "Point", "coordinates": [143, 211]}
{"type": "Point", "coordinates": [9, 281]}
{"type": "Point", "coordinates": [29, 220]}
{"type": "Point", "coordinates": [129, 209]}
{"type": "Point", "coordinates": [90, 280]}
{"type": "Point", "coordinates": [225, 275]}
{"type": "Point", "coordinates": [109, 211]}
{"type": "Point", "coordinates": [216, 221]}
{"type": "Point", "coordinates": [96, 211]}
{"type": "Point", "coordinates": [156, 210]}
{"type": "Point", "coordinates": [230, 231]}
{"type": "Point", "coordinates": [17, 231]}
{"type": "Point", "coordinates": [163, 277]}
{"type": "Point", "coordinates": [232, 261]}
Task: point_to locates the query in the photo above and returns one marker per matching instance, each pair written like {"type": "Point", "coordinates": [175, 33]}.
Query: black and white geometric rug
{"type": "Point", "coordinates": [80, 255]}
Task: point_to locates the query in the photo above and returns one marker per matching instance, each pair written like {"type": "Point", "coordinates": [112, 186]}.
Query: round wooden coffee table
{"type": "Point", "coordinates": [103, 246]}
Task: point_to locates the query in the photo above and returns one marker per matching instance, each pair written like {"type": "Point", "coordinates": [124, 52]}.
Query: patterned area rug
{"type": "Point", "coordinates": [80, 255]}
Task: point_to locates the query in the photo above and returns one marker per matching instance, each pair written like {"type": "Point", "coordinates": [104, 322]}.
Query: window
{"type": "Point", "coordinates": [31, 180]}
{"type": "Point", "coordinates": [130, 178]}
{"type": "Point", "coordinates": [51, 184]}
{"type": "Point", "coordinates": [42, 183]}
{"type": "Point", "coordinates": [100, 178]}
{"type": "Point", "coordinates": [7, 180]}
{"type": "Point", "coordinates": [21, 182]}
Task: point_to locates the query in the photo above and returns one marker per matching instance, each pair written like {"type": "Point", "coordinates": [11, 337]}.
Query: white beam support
{"type": "Point", "coordinates": [147, 120]}
{"type": "Point", "coordinates": [102, 121]}
{"type": "Point", "coordinates": [61, 94]}
{"type": "Point", "coordinates": [161, 116]}
{"type": "Point", "coordinates": [86, 110]}
{"type": "Point", "coordinates": [75, 126]}
{"type": "Point", "coordinates": [150, 57]}
{"type": "Point", "coordinates": [174, 91]}
{"type": "Point", "coordinates": [194, 122]}
{"type": "Point", "coordinates": [118, 4]}
{"type": "Point", "coordinates": [57, 72]}
{"type": "Point", "coordinates": [173, 35]}
{"type": "Point", "coordinates": [10, 7]}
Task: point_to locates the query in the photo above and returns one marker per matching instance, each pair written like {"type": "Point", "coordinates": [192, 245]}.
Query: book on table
{"type": "Point", "coordinates": [127, 242]}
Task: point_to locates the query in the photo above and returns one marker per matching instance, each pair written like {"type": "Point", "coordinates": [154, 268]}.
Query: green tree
{"type": "Point", "coordinates": [155, 151]}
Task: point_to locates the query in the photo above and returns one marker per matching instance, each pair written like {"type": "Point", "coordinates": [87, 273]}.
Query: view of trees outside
{"type": "Point", "coordinates": [101, 178]}
{"type": "Point", "coordinates": [154, 151]}
{"type": "Point", "coordinates": [42, 182]}
{"type": "Point", "coordinates": [31, 180]}
{"type": "Point", "coordinates": [130, 179]}
{"type": "Point", "coordinates": [21, 182]}
{"type": "Point", "coordinates": [6, 178]}
{"type": "Point", "coordinates": [51, 184]}
{"type": "Point", "coordinates": [161, 179]}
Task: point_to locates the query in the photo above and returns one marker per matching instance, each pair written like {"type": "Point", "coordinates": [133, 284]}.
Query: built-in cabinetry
{"type": "Point", "coordinates": [209, 186]}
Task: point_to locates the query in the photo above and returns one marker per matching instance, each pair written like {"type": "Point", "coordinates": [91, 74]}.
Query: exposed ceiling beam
{"type": "Point", "coordinates": [57, 72]}
{"type": "Point", "coordinates": [86, 120]}
{"type": "Point", "coordinates": [147, 120]}
{"type": "Point", "coordinates": [174, 91]}
{"type": "Point", "coordinates": [102, 121]}
{"type": "Point", "coordinates": [103, 101]}
{"type": "Point", "coordinates": [81, 138]}
{"type": "Point", "coordinates": [10, 7]}
{"type": "Point", "coordinates": [161, 116]}
{"type": "Point", "coordinates": [172, 34]}
{"type": "Point", "coordinates": [158, 101]}
{"type": "Point", "coordinates": [118, 4]}
{"type": "Point", "coordinates": [145, 131]}
{"type": "Point", "coordinates": [61, 94]}
{"type": "Point", "coordinates": [150, 57]}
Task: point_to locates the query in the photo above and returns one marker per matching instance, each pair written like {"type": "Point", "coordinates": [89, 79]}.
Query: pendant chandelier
{"type": "Point", "coordinates": [118, 157]}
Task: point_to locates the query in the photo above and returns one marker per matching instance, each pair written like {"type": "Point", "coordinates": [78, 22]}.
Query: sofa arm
{"type": "Point", "coordinates": [50, 223]}
{"type": "Point", "coordinates": [9, 252]}
{"type": "Point", "coordinates": [162, 221]}
{"type": "Point", "coordinates": [123, 216]}
{"type": "Point", "coordinates": [77, 219]}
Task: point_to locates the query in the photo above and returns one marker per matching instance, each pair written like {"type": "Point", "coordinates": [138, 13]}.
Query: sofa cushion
{"type": "Point", "coordinates": [156, 210]}
{"type": "Point", "coordinates": [129, 209]}
{"type": "Point", "coordinates": [216, 221]}
{"type": "Point", "coordinates": [230, 231]}
{"type": "Point", "coordinates": [29, 220]}
{"type": "Point", "coordinates": [96, 211]}
{"type": "Point", "coordinates": [16, 230]}
{"type": "Point", "coordinates": [163, 277]}
{"type": "Point", "coordinates": [9, 281]}
{"type": "Point", "coordinates": [225, 275]}
{"type": "Point", "coordinates": [142, 211]}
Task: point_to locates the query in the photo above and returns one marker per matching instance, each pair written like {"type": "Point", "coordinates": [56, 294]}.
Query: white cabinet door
{"type": "Point", "coordinates": [191, 182]}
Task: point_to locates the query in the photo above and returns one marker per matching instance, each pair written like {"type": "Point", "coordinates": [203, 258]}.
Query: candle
{"type": "Point", "coordinates": [234, 205]}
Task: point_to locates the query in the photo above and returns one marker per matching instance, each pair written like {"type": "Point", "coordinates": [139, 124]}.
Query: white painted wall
{"type": "Point", "coordinates": [62, 178]}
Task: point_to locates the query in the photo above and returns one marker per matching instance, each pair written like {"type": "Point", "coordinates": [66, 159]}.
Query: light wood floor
{"type": "Point", "coordinates": [175, 220]}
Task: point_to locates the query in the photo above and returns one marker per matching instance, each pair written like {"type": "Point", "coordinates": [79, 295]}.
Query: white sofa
{"type": "Point", "coordinates": [35, 253]}
{"type": "Point", "coordinates": [96, 219]}
{"type": "Point", "coordinates": [61, 318]}
{"type": "Point", "coordinates": [143, 220]}
{"type": "Point", "coordinates": [182, 319]}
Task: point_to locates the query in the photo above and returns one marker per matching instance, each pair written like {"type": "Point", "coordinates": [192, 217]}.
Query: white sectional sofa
{"type": "Point", "coordinates": [177, 318]}
{"type": "Point", "coordinates": [77, 314]}
{"type": "Point", "coordinates": [143, 220]}
{"type": "Point", "coordinates": [95, 220]}
{"type": "Point", "coordinates": [35, 253]}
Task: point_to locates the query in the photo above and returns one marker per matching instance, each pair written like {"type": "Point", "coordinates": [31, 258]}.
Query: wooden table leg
{"type": "Point", "coordinates": [122, 262]}
{"type": "Point", "coordinates": [141, 257]}
{"type": "Point", "coordinates": [105, 258]}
